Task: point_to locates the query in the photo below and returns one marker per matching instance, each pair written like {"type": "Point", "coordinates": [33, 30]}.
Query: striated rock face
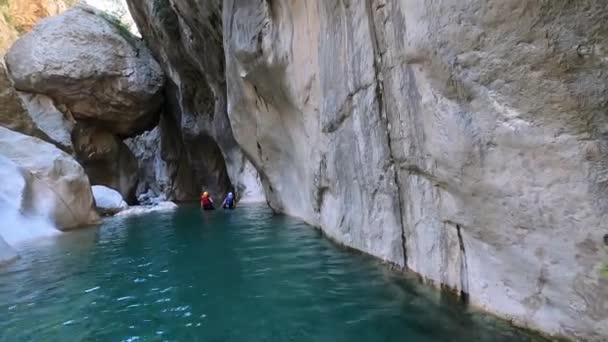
{"type": "Point", "coordinates": [55, 185]}
{"type": "Point", "coordinates": [164, 168]}
{"type": "Point", "coordinates": [100, 73]}
{"type": "Point", "coordinates": [106, 160]}
{"type": "Point", "coordinates": [186, 38]}
{"type": "Point", "coordinates": [464, 140]}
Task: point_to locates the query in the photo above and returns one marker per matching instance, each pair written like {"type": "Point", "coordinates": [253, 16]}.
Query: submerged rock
{"type": "Point", "coordinates": [108, 201]}
{"type": "Point", "coordinates": [146, 209]}
{"type": "Point", "coordinates": [55, 185]}
{"type": "Point", "coordinates": [101, 73]}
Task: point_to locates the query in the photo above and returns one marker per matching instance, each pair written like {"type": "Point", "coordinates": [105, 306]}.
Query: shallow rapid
{"type": "Point", "coordinates": [244, 275]}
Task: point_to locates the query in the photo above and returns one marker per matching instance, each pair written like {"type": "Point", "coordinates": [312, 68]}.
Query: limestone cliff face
{"type": "Point", "coordinates": [186, 38]}
{"type": "Point", "coordinates": [463, 140]}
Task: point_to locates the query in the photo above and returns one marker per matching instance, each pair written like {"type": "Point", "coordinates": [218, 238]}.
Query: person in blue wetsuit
{"type": "Point", "coordinates": [229, 202]}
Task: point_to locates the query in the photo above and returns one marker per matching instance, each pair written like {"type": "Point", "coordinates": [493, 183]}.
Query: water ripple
{"type": "Point", "coordinates": [246, 275]}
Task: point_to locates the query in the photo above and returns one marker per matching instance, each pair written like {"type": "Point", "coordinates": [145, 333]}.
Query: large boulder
{"type": "Point", "coordinates": [93, 66]}
{"type": "Point", "coordinates": [54, 184]}
{"type": "Point", "coordinates": [108, 201]}
{"type": "Point", "coordinates": [106, 160]}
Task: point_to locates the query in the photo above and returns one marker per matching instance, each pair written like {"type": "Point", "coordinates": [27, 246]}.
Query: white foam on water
{"type": "Point", "coordinates": [15, 226]}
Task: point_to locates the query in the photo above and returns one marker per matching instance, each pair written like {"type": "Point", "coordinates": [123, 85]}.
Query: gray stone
{"type": "Point", "coordinates": [53, 184]}
{"type": "Point", "coordinates": [33, 114]}
{"type": "Point", "coordinates": [108, 201]}
{"type": "Point", "coordinates": [99, 71]}
{"type": "Point", "coordinates": [164, 169]}
{"type": "Point", "coordinates": [51, 121]}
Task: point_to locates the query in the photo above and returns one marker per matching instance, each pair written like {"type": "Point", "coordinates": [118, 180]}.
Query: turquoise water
{"type": "Point", "coordinates": [244, 275]}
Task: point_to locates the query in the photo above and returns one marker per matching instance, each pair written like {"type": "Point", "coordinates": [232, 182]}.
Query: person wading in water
{"type": "Point", "coordinates": [229, 202]}
{"type": "Point", "coordinates": [207, 201]}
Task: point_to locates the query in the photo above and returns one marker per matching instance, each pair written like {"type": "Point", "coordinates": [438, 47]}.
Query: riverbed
{"type": "Point", "coordinates": [242, 275]}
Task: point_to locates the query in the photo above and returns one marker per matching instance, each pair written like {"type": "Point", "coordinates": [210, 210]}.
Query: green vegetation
{"type": "Point", "coordinates": [120, 26]}
{"type": "Point", "coordinates": [7, 17]}
{"type": "Point", "coordinates": [20, 29]}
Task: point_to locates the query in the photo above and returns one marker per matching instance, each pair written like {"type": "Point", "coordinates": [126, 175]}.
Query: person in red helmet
{"type": "Point", "coordinates": [206, 201]}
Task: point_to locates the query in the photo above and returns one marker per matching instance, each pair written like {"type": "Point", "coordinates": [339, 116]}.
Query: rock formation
{"type": "Point", "coordinates": [105, 81]}
{"type": "Point", "coordinates": [55, 185]}
{"type": "Point", "coordinates": [13, 112]}
{"type": "Point", "coordinates": [31, 114]}
{"type": "Point", "coordinates": [463, 140]}
{"type": "Point", "coordinates": [103, 75]}
{"type": "Point", "coordinates": [187, 40]}
{"type": "Point", "coordinates": [164, 170]}
{"type": "Point", "coordinates": [108, 201]}
{"type": "Point", "coordinates": [106, 160]}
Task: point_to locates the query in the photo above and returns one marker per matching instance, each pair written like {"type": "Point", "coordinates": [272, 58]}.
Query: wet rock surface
{"type": "Point", "coordinates": [55, 184]}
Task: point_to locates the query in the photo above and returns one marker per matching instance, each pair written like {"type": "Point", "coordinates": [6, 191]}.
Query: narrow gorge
{"type": "Point", "coordinates": [465, 141]}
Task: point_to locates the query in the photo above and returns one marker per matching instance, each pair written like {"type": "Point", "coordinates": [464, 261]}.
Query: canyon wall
{"type": "Point", "coordinates": [186, 38]}
{"type": "Point", "coordinates": [465, 141]}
